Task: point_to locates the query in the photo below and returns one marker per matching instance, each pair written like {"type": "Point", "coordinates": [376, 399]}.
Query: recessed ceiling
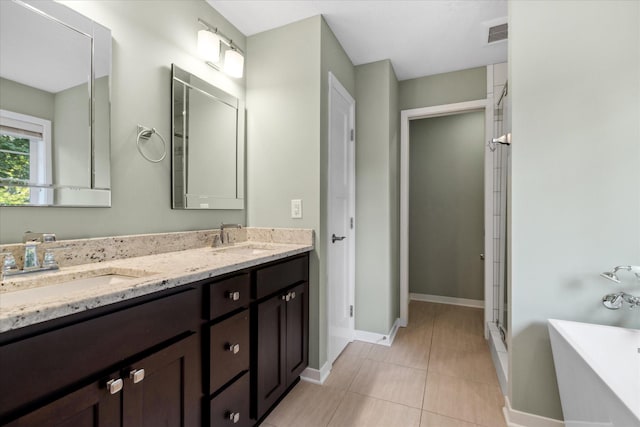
{"type": "Point", "coordinates": [420, 37]}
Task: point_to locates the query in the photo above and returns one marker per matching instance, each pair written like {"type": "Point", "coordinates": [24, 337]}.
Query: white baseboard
{"type": "Point", "coordinates": [524, 419]}
{"type": "Point", "coordinates": [316, 376]}
{"type": "Point", "coordinates": [447, 300]}
{"type": "Point", "coordinates": [376, 338]}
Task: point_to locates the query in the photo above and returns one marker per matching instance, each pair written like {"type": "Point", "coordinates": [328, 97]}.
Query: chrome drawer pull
{"type": "Point", "coordinates": [114, 386]}
{"type": "Point", "coordinates": [137, 375]}
{"type": "Point", "coordinates": [233, 348]}
{"type": "Point", "coordinates": [234, 417]}
{"type": "Point", "coordinates": [233, 296]}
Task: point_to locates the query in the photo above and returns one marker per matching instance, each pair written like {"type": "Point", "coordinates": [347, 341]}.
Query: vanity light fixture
{"type": "Point", "coordinates": [209, 46]}
{"type": "Point", "coordinates": [211, 42]}
{"type": "Point", "coordinates": [233, 63]}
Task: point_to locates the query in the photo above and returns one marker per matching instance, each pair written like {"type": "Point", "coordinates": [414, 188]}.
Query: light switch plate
{"type": "Point", "coordinates": [296, 208]}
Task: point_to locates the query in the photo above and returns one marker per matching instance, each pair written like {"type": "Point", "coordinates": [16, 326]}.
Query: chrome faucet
{"type": "Point", "coordinates": [222, 228]}
{"type": "Point", "coordinates": [31, 262]}
{"type": "Point", "coordinates": [613, 276]}
{"type": "Point", "coordinates": [617, 300]}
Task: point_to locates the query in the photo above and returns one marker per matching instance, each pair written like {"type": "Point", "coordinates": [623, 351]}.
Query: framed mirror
{"type": "Point", "coordinates": [207, 145]}
{"type": "Point", "coordinates": [55, 72]}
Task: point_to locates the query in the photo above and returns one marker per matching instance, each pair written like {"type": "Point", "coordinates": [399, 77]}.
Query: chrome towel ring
{"type": "Point", "coordinates": [146, 133]}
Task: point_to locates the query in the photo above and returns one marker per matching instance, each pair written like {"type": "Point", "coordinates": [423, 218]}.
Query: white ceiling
{"type": "Point", "coordinates": [420, 37]}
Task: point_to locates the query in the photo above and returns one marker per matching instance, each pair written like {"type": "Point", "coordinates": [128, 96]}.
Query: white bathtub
{"type": "Point", "coordinates": [598, 370]}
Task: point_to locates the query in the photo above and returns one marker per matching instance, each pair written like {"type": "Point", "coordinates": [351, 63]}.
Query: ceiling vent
{"type": "Point", "coordinates": [498, 33]}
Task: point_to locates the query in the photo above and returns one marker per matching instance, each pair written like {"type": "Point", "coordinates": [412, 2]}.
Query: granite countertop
{"type": "Point", "coordinates": [147, 274]}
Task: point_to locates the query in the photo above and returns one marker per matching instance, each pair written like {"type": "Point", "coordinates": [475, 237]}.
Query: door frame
{"type": "Point", "coordinates": [334, 83]}
{"type": "Point", "coordinates": [438, 111]}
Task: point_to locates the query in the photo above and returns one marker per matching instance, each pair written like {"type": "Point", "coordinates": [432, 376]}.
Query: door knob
{"type": "Point", "coordinates": [482, 257]}
{"type": "Point", "coordinates": [334, 238]}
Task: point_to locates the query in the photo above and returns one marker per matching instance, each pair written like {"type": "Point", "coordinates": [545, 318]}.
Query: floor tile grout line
{"type": "Point", "coordinates": [335, 411]}
{"type": "Point", "coordinates": [424, 392]}
{"type": "Point", "coordinates": [384, 400]}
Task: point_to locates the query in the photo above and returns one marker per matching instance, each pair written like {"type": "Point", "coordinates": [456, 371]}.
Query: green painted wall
{"type": "Point", "coordinates": [287, 141]}
{"type": "Point", "coordinates": [143, 50]}
{"type": "Point", "coordinates": [23, 99]}
{"type": "Point", "coordinates": [575, 202]}
{"type": "Point", "coordinates": [446, 88]}
{"type": "Point", "coordinates": [333, 59]}
{"type": "Point", "coordinates": [394, 196]}
{"type": "Point", "coordinates": [446, 212]}
{"type": "Point", "coordinates": [377, 119]}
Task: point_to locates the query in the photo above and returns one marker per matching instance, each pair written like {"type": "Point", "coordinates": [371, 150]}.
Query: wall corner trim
{"type": "Point", "coordinates": [380, 339]}
{"type": "Point", "coordinates": [447, 300]}
{"type": "Point", "coordinates": [516, 418]}
{"type": "Point", "coordinates": [316, 376]}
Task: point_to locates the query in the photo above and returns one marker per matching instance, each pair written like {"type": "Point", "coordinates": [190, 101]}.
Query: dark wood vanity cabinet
{"type": "Point", "coordinates": [217, 352]}
{"type": "Point", "coordinates": [60, 371]}
{"type": "Point", "coordinates": [282, 327]}
{"type": "Point", "coordinates": [227, 351]}
{"type": "Point", "coordinates": [153, 391]}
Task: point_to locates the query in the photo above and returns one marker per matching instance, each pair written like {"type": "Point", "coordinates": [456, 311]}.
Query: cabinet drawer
{"type": "Point", "coordinates": [231, 407]}
{"type": "Point", "coordinates": [279, 276]}
{"type": "Point", "coordinates": [36, 367]}
{"type": "Point", "coordinates": [229, 349]}
{"type": "Point", "coordinates": [227, 295]}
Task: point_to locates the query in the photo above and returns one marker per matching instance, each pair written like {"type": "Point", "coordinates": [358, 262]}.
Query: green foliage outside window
{"type": "Point", "coordinates": [14, 165]}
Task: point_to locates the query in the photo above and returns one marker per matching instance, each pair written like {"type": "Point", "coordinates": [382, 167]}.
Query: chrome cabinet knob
{"type": "Point", "coordinates": [293, 295]}
{"type": "Point", "coordinates": [137, 375]}
{"type": "Point", "coordinates": [234, 417]}
{"type": "Point", "coordinates": [286, 297]}
{"type": "Point", "coordinates": [233, 348]}
{"type": "Point", "coordinates": [233, 296]}
{"type": "Point", "coordinates": [114, 386]}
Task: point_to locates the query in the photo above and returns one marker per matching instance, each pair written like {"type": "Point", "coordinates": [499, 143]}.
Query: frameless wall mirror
{"type": "Point", "coordinates": [55, 71]}
{"type": "Point", "coordinates": [207, 145]}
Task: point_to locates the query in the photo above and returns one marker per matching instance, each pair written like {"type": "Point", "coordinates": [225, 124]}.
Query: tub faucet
{"type": "Point", "coordinates": [613, 275]}
{"type": "Point", "coordinates": [222, 228]}
{"type": "Point", "coordinates": [616, 301]}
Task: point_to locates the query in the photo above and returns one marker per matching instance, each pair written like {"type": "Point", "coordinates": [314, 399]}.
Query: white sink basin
{"type": "Point", "coordinates": [47, 291]}
{"type": "Point", "coordinates": [247, 250]}
{"type": "Point", "coordinates": [598, 370]}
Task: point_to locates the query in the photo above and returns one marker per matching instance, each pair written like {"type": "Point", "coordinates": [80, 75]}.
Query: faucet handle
{"type": "Point", "coordinates": [9, 262]}
{"type": "Point", "coordinates": [49, 259]}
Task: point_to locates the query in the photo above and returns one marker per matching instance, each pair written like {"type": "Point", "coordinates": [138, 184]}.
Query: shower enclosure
{"type": "Point", "coordinates": [501, 174]}
{"type": "Point", "coordinates": [500, 151]}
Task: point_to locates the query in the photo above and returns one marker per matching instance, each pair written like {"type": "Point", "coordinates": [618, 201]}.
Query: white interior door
{"type": "Point", "coordinates": [341, 211]}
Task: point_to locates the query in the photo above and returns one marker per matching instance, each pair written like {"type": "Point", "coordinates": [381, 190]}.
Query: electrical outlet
{"type": "Point", "coordinates": [296, 208]}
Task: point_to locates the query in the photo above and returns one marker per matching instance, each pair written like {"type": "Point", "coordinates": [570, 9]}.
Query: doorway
{"type": "Point", "coordinates": [446, 209]}
{"type": "Point", "coordinates": [340, 214]}
{"type": "Point", "coordinates": [484, 105]}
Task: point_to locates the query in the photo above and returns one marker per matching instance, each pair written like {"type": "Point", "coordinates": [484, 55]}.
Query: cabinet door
{"type": "Point", "coordinates": [168, 393]}
{"type": "Point", "coordinates": [90, 406]}
{"type": "Point", "coordinates": [270, 349]}
{"type": "Point", "coordinates": [297, 343]}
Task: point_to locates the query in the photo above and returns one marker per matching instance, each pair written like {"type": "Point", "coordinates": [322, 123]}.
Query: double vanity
{"type": "Point", "coordinates": [150, 334]}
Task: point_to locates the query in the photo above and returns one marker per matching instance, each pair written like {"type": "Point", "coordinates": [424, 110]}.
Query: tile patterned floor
{"type": "Point", "coordinates": [437, 373]}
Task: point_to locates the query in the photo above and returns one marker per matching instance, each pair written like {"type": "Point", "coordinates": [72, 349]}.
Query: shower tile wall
{"type": "Point", "coordinates": [500, 171]}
